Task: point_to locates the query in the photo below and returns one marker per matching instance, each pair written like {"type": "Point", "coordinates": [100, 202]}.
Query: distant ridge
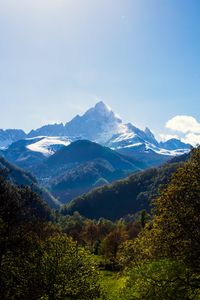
{"type": "Point", "coordinates": [126, 196]}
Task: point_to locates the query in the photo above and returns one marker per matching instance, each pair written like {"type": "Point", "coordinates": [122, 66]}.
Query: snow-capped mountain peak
{"type": "Point", "coordinates": [102, 106]}
{"type": "Point", "coordinates": [98, 124]}
{"type": "Point", "coordinates": [150, 136]}
{"type": "Point", "coordinates": [103, 111]}
{"type": "Point", "coordinates": [149, 132]}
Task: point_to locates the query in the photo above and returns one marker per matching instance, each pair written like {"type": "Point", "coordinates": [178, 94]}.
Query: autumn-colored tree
{"type": "Point", "coordinates": [90, 233]}
{"type": "Point", "coordinates": [112, 242]}
{"type": "Point", "coordinates": [133, 229]}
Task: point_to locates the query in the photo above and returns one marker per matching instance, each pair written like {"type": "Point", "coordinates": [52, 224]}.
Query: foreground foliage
{"type": "Point", "coordinates": [161, 280]}
{"type": "Point", "coordinates": [56, 269]}
{"type": "Point", "coordinates": [37, 260]}
{"type": "Point", "coordinates": [49, 256]}
{"type": "Point", "coordinates": [165, 258]}
{"type": "Point", "coordinates": [175, 230]}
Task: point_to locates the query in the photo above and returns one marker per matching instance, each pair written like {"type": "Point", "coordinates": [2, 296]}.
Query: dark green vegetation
{"type": "Point", "coordinates": [38, 261]}
{"type": "Point", "coordinates": [81, 166]}
{"type": "Point", "coordinates": [45, 255]}
{"type": "Point", "coordinates": [177, 212]}
{"type": "Point", "coordinates": [168, 248]}
{"type": "Point", "coordinates": [129, 195]}
{"type": "Point", "coordinates": [23, 178]}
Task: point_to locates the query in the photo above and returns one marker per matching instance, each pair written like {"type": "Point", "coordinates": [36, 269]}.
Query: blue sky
{"type": "Point", "coordinates": [141, 57]}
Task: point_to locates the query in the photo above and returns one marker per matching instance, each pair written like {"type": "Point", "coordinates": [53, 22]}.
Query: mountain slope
{"type": "Point", "coordinates": [9, 136]}
{"type": "Point", "coordinates": [19, 206]}
{"type": "Point", "coordinates": [126, 196]}
{"type": "Point", "coordinates": [48, 130]}
{"type": "Point", "coordinates": [32, 151]}
{"type": "Point", "coordinates": [83, 178]}
{"type": "Point", "coordinates": [174, 144]}
{"type": "Point", "coordinates": [82, 165]}
{"type": "Point", "coordinates": [85, 150]}
{"type": "Point", "coordinates": [18, 153]}
{"type": "Point", "coordinates": [21, 178]}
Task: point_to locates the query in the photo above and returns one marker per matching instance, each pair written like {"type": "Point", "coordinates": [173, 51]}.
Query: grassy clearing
{"type": "Point", "coordinates": [111, 284]}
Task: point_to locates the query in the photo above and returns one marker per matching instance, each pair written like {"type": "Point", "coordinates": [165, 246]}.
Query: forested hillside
{"type": "Point", "coordinates": [20, 177]}
{"type": "Point", "coordinates": [126, 196]}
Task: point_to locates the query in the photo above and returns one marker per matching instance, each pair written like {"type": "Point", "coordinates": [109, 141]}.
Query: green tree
{"type": "Point", "coordinates": [161, 280]}
{"type": "Point", "coordinates": [175, 230]}
{"type": "Point", "coordinates": [57, 269]}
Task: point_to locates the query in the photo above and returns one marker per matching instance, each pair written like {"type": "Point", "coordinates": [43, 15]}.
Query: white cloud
{"type": "Point", "coordinates": [192, 138]}
{"type": "Point", "coordinates": [187, 127]}
{"type": "Point", "coordinates": [184, 124]}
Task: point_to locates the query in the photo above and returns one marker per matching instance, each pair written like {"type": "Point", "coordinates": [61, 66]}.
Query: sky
{"type": "Point", "coordinates": [141, 57]}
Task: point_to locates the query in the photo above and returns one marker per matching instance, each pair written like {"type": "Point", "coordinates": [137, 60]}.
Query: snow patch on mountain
{"type": "Point", "coordinates": [48, 145]}
{"type": "Point", "coordinates": [167, 152]}
{"type": "Point", "coordinates": [147, 147]}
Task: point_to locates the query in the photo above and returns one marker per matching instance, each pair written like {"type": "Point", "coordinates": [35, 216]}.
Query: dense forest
{"type": "Point", "coordinates": [125, 196]}
{"type": "Point", "coordinates": [45, 254]}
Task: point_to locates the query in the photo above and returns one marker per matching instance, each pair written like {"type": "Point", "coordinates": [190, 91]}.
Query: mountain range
{"type": "Point", "coordinates": [81, 166]}
{"type": "Point", "coordinates": [73, 169]}
{"type": "Point", "coordinates": [9, 136]}
{"type": "Point", "coordinates": [91, 150]}
{"type": "Point", "coordinates": [98, 124]}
